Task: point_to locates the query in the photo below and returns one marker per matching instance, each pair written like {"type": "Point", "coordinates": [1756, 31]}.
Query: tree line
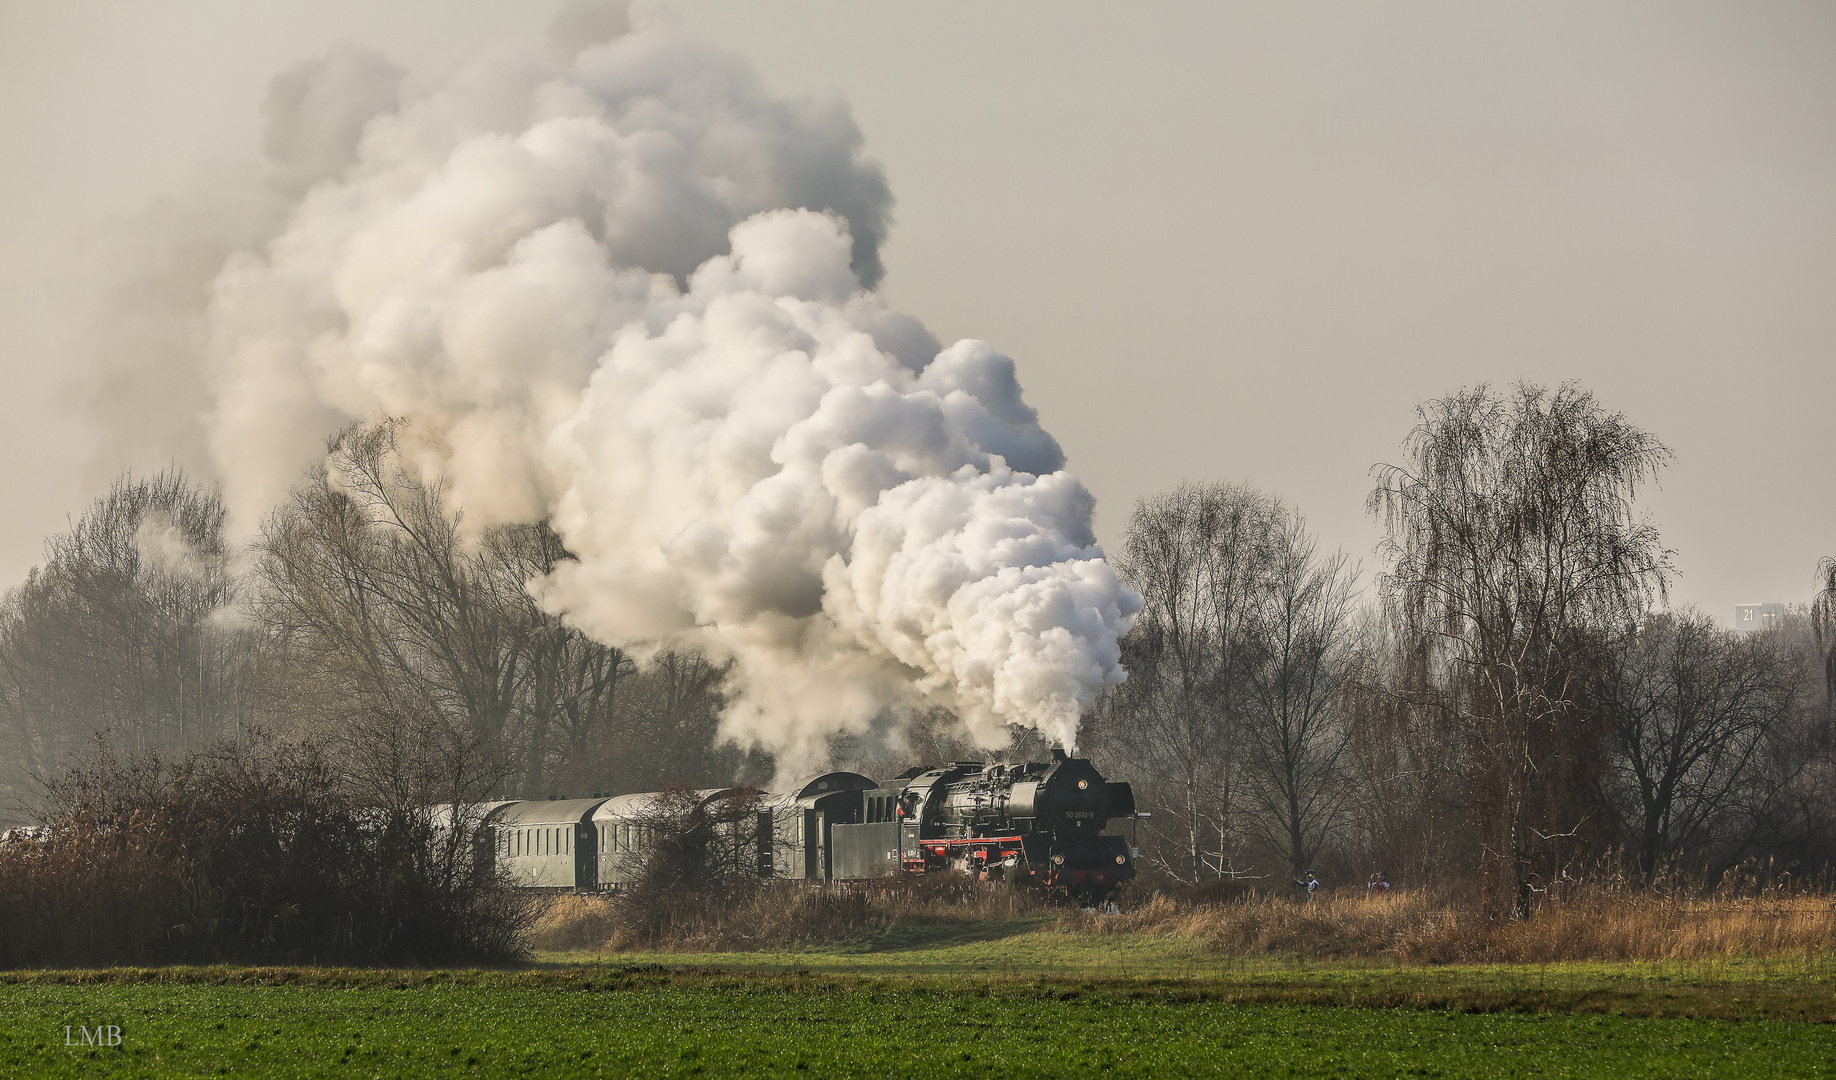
{"type": "Point", "coordinates": [367, 618]}
{"type": "Point", "coordinates": [1507, 701]}
{"type": "Point", "coordinates": [1511, 705]}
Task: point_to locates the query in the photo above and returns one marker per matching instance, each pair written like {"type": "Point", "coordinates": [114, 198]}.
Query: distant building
{"type": "Point", "coordinates": [1757, 616]}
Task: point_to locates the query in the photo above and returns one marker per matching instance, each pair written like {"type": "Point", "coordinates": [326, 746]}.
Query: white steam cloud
{"type": "Point", "coordinates": [627, 290]}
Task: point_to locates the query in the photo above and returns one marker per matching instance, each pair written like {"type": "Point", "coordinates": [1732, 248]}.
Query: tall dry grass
{"type": "Point", "coordinates": [1610, 923]}
{"type": "Point", "coordinates": [1601, 923]}
{"type": "Point", "coordinates": [782, 915]}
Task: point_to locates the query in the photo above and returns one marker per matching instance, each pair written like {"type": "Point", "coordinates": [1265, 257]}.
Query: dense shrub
{"type": "Point", "coordinates": [246, 853]}
{"type": "Point", "coordinates": [700, 856]}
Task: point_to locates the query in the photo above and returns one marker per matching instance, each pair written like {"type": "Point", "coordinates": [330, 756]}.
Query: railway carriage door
{"type": "Point", "coordinates": [764, 840]}
{"type": "Point", "coordinates": [812, 846]}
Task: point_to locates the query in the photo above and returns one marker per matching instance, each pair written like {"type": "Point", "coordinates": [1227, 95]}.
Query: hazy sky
{"type": "Point", "coordinates": [1221, 240]}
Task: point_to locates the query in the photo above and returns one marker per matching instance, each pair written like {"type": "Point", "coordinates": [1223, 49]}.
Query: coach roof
{"type": "Point", "coordinates": [547, 812]}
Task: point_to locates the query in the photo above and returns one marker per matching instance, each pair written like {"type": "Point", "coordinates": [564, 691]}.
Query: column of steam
{"type": "Point", "coordinates": [628, 292]}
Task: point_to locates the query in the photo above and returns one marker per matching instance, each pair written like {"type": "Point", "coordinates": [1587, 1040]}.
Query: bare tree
{"type": "Point", "coordinates": [367, 586]}
{"type": "Point", "coordinates": [1691, 705]}
{"type": "Point", "coordinates": [1198, 556]}
{"type": "Point", "coordinates": [1413, 782]}
{"type": "Point", "coordinates": [394, 617]}
{"type": "Point", "coordinates": [1823, 626]}
{"type": "Point", "coordinates": [1511, 533]}
{"type": "Point", "coordinates": [1301, 655]}
{"type": "Point", "coordinates": [404, 620]}
{"type": "Point", "coordinates": [128, 628]}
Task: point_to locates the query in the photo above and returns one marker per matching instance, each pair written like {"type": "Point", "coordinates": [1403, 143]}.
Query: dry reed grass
{"type": "Point", "coordinates": [1603, 923]}
{"type": "Point", "coordinates": [781, 915]}
{"type": "Point", "coordinates": [1607, 923]}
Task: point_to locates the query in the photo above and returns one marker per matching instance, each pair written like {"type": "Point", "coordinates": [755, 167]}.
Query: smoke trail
{"type": "Point", "coordinates": [629, 291]}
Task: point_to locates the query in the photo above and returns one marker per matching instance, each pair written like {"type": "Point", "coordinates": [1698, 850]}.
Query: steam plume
{"type": "Point", "coordinates": [629, 291]}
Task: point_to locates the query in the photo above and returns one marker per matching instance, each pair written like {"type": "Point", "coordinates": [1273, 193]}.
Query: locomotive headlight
{"type": "Point", "coordinates": [1120, 859]}
{"type": "Point", "coordinates": [1082, 784]}
{"type": "Point", "coordinates": [1058, 860]}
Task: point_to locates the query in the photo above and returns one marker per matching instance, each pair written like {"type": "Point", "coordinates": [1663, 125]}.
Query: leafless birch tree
{"type": "Point", "coordinates": [1511, 533]}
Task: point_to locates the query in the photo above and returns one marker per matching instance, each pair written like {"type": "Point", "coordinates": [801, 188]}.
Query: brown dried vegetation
{"type": "Point", "coordinates": [780, 915]}
{"type": "Point", "coordinates": [1599, 923]}
{"type": "Point", "coordinates": [1591, 923]}
{"type": "Point", "coordinates": [248, 853]}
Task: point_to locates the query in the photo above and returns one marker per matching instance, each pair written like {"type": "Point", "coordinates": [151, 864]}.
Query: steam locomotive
{"type": "Point", "coordinates": [1039, 824]}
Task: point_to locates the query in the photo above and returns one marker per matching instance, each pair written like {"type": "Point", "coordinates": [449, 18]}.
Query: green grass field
{"type": "Point", "coordinates": [646, 1023]}
{"type": "Point", "coordinates": [1004, 1000]}
{"type": "Point", "coordinates": [615, 1021]}
{"type": "Point", "coordinates": [1030, 948]}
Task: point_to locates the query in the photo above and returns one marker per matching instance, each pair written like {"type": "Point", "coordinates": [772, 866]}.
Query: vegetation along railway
{"type": "Point", "coordinates": [1036, 824]}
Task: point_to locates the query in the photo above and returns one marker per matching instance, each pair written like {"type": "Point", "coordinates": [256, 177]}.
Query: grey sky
{"type": "Point", "coordinates": [1221, 240]}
